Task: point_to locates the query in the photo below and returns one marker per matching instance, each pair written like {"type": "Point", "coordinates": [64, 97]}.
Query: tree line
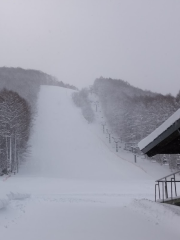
{"type": "Point", "coordinates": [15, 124]}
{"type": "Point", "coordinates": [82, 101]}
{"type": "Point", "coordinates": [19, 89]}
{"type": "Point", "coordinates": [132, 113]}
{"type": "Point", "coordinates": [27, 82]}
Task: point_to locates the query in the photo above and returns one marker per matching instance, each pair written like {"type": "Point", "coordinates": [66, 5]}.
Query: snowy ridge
{"type": "Point", "coordinates": [158, 131]}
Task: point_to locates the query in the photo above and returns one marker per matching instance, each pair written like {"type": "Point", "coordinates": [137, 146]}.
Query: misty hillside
{"type": "Point", "coordinates": [19, 90]}
{"type": "Point", "coordinates": [133, 113]}
{"type": "Point", "coordinates": [27, 82]}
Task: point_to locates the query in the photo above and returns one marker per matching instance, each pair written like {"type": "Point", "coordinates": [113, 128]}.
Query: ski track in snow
{"type": "Point", "coordinates": [73, 186]}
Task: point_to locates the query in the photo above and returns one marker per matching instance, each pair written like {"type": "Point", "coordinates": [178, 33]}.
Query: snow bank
{"type": "Point", "coordinates": [158, 131]}
{"type": "Point", "coordinates": [18, 196]}
{"type": "Point", "coordinates": [161, 214]}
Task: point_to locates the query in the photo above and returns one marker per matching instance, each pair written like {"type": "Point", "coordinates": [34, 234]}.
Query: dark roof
{"type": "Point", "coordinates": [167, 142]}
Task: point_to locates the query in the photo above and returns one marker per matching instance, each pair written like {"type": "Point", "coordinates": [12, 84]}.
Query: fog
{"type": "Point", "coordinates": [78, 41]}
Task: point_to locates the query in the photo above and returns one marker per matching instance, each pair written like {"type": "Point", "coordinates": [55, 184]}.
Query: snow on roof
{"type": "Point", "coordinates": [158, 131]}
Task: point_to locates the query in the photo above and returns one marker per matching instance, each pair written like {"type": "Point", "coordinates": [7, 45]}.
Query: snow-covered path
{"type": "Point", "coordinates": [79, 188]}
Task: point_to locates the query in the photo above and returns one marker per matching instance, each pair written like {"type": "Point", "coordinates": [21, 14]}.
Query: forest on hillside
{"type": "Point", "coordinates": [19, 90]}
{"type": "Point", "coordinates": [132, 113]}
{"type": "Point", "coordinates": [27, 82]}
{"type": "Point", "coordinates": [15, 125]}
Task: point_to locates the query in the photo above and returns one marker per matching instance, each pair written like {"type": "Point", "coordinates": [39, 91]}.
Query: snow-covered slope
{"type": "Point", "coordinates": [64, 145]}
{"type": "Point", "coordinates": [73, 187]}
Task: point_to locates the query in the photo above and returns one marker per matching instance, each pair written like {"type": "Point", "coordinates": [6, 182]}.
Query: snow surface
{"type": "Point", "coordinates": [74, 185]}
{"type": "Point", "coordinates": [158, 131]}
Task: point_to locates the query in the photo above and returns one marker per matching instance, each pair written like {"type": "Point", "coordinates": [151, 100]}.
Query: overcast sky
{"type": "Point", "coordinates": [80, 40]}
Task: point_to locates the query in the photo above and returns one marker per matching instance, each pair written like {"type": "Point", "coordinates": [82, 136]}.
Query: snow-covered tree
{"type": "Point", "coordinates": [131, 112]}
{"type": "Point", "coordinates": [81, 100]}
{"type": "Point", "coordinates": [15, 123]}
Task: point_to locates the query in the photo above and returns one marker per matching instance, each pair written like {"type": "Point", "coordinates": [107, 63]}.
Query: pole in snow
{"type": "Point", "coordinates": [10, 154]}
{"type": "Point", "coordinates": [17, 162]}
{"type": "Point", "coordinates": [135, 160]}
{"type": "Point", "coordinates": [103, 124]}
{"type": "Point", "coordinates": [96, 103]}
{"type": "Point", "coordinates": [15, 154]}
{"type": "Point", "coordinates": [109, 133]}
{"type": "Point", "coordinates": [116, 140]}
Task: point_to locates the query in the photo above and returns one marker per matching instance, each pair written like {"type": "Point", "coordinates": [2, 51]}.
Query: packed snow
{"type": "Point", "coordinates": [75, 186]}
{"type": "Point", "coordinates": [158, 131]}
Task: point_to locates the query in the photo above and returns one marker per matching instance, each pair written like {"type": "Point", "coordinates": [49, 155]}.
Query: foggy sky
{"type": "Point", "coordinates": [80, 40]}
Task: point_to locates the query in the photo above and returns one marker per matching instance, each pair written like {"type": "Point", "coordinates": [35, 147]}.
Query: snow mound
{"type": "Point", "coordinates": [157, 212]}
{"type": "Point", "coordinates": [18, 196]}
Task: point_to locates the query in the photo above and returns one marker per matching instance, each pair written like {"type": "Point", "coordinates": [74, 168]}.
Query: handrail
{"type": "Point", "coordinates": [164, 181]}
{"type": "Point", "coordinates": [167, 176]}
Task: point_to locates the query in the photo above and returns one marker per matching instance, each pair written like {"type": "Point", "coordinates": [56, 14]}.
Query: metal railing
{"type": "Point", "coordinates": [163, 190]}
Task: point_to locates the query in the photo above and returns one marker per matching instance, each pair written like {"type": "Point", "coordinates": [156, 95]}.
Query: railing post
{"type": "Point", "coordinates": [155, 191]}
{"type": "Point", "coordinates": [171, 188]}
{"type": "Point", "coordinates": [159, 191]}
{"type": "Point", "coordinates": [163, 190]}
{"type": "Point", "coordinates": [175, 185]}
{"type": "Point", "coordinates": [166, 189]}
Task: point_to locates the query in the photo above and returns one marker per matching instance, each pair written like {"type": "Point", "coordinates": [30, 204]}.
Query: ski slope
{"type": "Point", "coordinates": [64, 145]}
{"type": "Point", "coordinates": [79, 187]}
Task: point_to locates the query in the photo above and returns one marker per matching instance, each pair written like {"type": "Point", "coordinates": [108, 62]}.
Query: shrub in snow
{"type": "Point", "coordinates": [3, 203]}
{"type": "Point", "coordinates": [18, 196]}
